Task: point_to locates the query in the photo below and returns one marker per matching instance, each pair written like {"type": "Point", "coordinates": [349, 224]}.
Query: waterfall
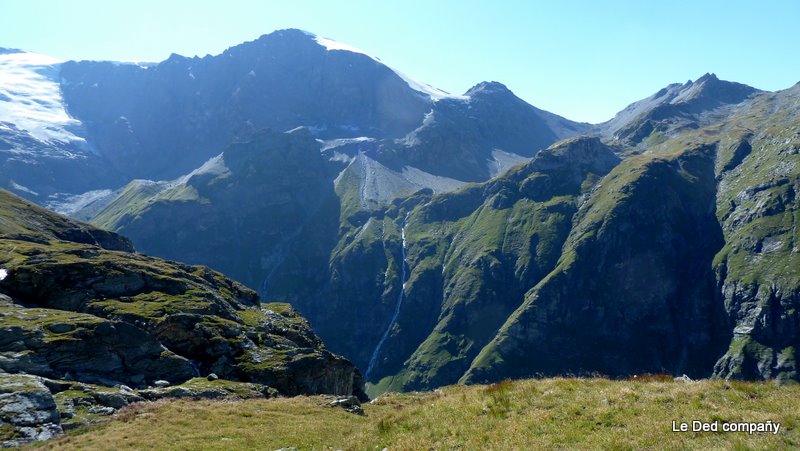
{"type": "Point", "coordinates": [374, 358]}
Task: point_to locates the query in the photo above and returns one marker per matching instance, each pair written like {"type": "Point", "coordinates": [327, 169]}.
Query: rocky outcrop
{"type": "Point", "coordinates": [67, 345]}
{"type": "Point", "coordinates": [33, 408]}
{"type": "Point", "coordinates": [86, 314]}
{"type": "Point", "coordinates": [28, 411]}
{"type": "Point", "coordinates": [138, 319]}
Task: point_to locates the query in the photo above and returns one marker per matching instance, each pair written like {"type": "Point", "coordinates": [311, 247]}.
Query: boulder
{"type": "Point", "coordinates": [27, 411]}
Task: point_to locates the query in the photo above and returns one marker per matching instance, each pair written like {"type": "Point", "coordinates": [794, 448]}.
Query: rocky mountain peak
{"type": "Point", "coordinates": [488, 88]}
{"type": "Point", "coordinates": [678, 105]}
{"type": "Point", "coordinates": [708, 76]}
{"type": "Point", "coordinates": [287, 37]}
{"type": "Point", "coordinates": [709, 92]}
{"type": "Point", "coordinates": [287, 34]}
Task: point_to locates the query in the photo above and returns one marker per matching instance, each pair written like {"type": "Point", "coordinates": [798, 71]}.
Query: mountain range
{"type": "Point", "coordinates": [433, 238]}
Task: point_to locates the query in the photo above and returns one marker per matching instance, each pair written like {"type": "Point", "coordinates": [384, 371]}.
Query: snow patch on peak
{"type": "Point", "coordinates": [434, 93]}
{"type": "Point", "coordinates": [30, 98]}
{"type": "Point", "coordinates": [30, 59]}
{"type": "Point", "coordinates": [330, 44]}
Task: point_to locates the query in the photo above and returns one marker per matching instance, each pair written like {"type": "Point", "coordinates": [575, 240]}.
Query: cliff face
{"type": "Point", "coordinates": [758, 269]}
{"type": "Point", "coordinates": [633, 290]}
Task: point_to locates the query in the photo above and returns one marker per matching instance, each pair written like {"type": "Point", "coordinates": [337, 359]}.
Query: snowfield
{"type": "Point", "coordinates": [30, 98]}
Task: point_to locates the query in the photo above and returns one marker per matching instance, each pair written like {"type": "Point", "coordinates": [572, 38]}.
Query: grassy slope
{"type": "Point", "coordinates": [531, 414]}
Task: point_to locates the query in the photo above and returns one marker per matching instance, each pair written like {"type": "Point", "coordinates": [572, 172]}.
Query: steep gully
{"type": "Point", "coordinates": [376, 352]}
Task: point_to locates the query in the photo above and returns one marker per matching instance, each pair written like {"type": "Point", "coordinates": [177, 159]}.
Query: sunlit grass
{"type": "Point", "coordinates": [532, 414]}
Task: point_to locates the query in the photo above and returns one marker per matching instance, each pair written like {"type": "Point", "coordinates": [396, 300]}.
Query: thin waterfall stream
{"type": "Point", "coordinates": [374, 358]}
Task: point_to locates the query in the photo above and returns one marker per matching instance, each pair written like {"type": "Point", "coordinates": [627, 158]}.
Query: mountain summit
{"type": "Point", "coordinates": [676, 107]}
{"type": "Point", "coordinates": [165, 120]}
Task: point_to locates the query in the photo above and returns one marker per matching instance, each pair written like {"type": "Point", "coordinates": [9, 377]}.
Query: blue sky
{"type": "Point", "coordinates": [584, 60]}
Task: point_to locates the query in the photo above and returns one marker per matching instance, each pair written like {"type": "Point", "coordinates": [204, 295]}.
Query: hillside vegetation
{"type": "Point", "coordinates": [529, 414]}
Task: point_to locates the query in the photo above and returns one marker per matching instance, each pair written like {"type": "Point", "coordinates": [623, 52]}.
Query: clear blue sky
{"type": "Point", "coordinates": [584, 60]}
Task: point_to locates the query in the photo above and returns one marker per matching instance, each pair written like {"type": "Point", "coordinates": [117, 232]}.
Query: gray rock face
{"type": "Point", "coordinates": [28, 411]}
{"type": "Point", "coordinates": [757, 270]}
{"type": "Point", "coordinates": [349, 404]}
{"type": "Point", "coordinates": [54, 343]}
{"type": "Point", "coordinates": [37, 409]}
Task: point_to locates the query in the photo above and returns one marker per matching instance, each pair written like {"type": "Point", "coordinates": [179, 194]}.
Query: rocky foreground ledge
{"type": "Point", "coordinates": [88, 326]}
{"type": "Point", "coordinates": [34, 408]}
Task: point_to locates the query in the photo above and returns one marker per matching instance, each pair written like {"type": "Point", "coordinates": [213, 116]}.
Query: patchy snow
{"type": "Point", "coordinates": [434, 93]}
{"type": "Point", "coordinates": [213, 166]}
{"type": "Point", "coordinates": [30, 98]}
{"type": "Point", "coordinates": [341, 157]}
{"type": "Point", "coordinates": [141, 63]}
{"type": "Point", "coordinates": [70, 204]}
{"type": "Point", "coordinates": [3, 274]}
{"type": "Point", "coordinates": [21, 188]}
{"type": "Point", "coordinates": [334, 143]}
